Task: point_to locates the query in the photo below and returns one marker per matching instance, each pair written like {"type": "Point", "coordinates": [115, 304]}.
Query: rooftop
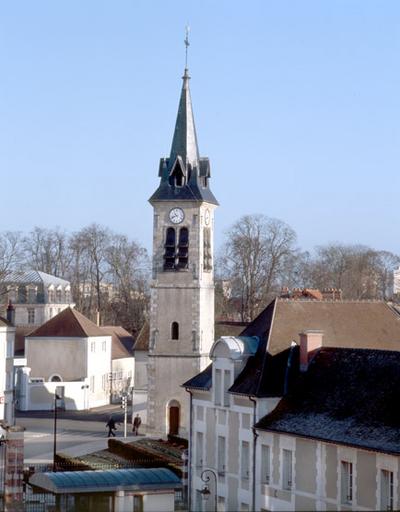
{"type": "Point", "coordinates": [33, 277]}
{"type": "Point", "coordinates": [347, 396]}
{"type": "Point", "coordinates": [68, 324]}
{"type": "Point", "coordinates": [106, 480]}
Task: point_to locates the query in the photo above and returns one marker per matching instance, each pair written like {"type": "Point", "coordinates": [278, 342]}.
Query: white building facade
{"type": "Point", "coordinates": [77, 359]}
{"type": "Point", "coordinates": [36, 296]}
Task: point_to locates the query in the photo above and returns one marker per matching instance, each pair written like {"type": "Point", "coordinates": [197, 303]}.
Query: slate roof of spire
{"type": "Point", "coordinates": [185, 152]}
{"type": "Point", "coordinates": [184, 142]}
{"type": "Point", "coordinates": [69, 324]}
{"type": "Point", "coordinates": [347, 396]}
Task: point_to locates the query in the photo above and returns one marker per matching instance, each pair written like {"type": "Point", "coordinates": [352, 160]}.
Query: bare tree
{"type": "Point", "coordinates": [89, 248]}
{"type": "Point", "coordinates": [47, 250]}
{"type": "Point", "coordinates": [129, 270]}
{"type": "Point", "coordinates": [10, 255]}
{"type": "Point", "coordinates": [255, 254]}
{"type": "Point", "coordinates": [359, 271]}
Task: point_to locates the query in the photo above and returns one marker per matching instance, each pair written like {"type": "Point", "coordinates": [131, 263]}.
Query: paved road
{"type": "Point", "coordinates": [77, 432]}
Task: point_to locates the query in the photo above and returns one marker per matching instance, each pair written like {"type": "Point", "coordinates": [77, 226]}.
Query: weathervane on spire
{"type": "Point", "coordinates": [187, 44]}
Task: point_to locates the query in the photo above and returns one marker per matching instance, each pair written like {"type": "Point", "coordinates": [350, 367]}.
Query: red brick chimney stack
{"type": "Point", "coordinates": [310, 342]}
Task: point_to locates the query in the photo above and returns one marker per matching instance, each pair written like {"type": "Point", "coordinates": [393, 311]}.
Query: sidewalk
{"type": "Point", "coordinates": [96, 414]}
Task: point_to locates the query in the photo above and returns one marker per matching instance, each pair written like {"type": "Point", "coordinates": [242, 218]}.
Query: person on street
{"type": "Point", "coordinates": [111, 427]}
{"type": "Point", "coordinates": [136, 424]}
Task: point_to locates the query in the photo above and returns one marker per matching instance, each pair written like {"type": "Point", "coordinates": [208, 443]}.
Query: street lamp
{"type": "Point", "coordinates": [110, 380]}
{"type": "Point", "coordinates": [56, 397]}
{"type": "Point", "coordinates": [205, 492]}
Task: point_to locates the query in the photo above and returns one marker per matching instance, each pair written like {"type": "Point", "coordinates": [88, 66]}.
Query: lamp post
{"type": "Point", "coordinates": [56, 397]}
{"type": "Point", "coordinates": [205, 492]}
{"type": "Point", "coordinates": [110, 380]}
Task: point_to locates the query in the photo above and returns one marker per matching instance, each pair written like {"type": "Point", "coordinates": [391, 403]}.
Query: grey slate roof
{"type": "Point", "coordinates": [184, 142]}
{"type": "Point", "coordinates": [185, 152]}
{"type": "Point", "coordinates": [347, 396]}
{"type": "Point", "coordinates": [202, 380]}
{"type": "Point", "coordinates": [33, 277]}
{"type": "Point", "coordinates": [106, 480]}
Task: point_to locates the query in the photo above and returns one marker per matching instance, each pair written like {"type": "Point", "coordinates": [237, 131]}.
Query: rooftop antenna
{"type": "Point", "coordinates": [187, 44]}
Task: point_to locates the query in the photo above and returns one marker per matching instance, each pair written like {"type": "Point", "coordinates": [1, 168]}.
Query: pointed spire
{"type": "Point", "coordinates": [184, 143]}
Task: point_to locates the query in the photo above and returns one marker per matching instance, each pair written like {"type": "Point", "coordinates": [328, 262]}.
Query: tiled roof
{"type": "Point", "coordinates": [228, 328]}
{"type": "Point", "coordinates": [347, 396]}
{"type": "Point", "coordinates": [33, 277]}
{"type": "Point", "coordinates": [70, 324]}
{"type": "Point", "coordinates": [122, 341]}
{"type": "Point", "coordinates": [350, 324]}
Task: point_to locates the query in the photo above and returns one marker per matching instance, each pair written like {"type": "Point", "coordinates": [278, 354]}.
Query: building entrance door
{"type": "Point", "coordinates": [174, 420]}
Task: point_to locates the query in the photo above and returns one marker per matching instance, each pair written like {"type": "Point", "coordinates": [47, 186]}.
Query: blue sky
{"type": "Point", "coordinates": [296, 104]}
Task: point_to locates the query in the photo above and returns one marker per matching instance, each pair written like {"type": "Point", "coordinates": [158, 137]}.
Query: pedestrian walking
{"type": "Point", "coordinates": [111, 427]}
{"type": "Point", "coordinates": [136, 424]}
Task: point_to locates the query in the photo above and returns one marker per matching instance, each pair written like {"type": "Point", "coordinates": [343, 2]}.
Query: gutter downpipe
{"type": "Point", "coordinates": [189, 490]}
{"type": "Point", "coordinates": [255, 435]}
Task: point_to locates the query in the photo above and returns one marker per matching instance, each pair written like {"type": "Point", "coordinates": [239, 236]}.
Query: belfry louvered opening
{"type": "Point", "coordinates": [207, 254]}
{"type": "Point", "coordinates": [176, 255]}
{"type": "Point", "coordinates": [169, 254]}
{"type": "Point", "coordinates": [183, 249]}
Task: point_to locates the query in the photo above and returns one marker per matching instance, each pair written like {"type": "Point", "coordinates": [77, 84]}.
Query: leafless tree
{"type": "Point", "coordinates": [47, 250]}
{"type": "Point", "coordinates": [359, 271]}
{"type": "Point", "coordinates": [128, 271]}
{"type": "Point", "coordinates": [255, 254]}
{"type": "Point", "coordinates": [10, 255]}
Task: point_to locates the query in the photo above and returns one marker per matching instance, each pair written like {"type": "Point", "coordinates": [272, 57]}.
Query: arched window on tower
{"type": "Point", "coordinates": [175, 331]}
{"type": "Point", "coordinates": [183, 249]}
{"type": "Point", "coordinates": [207, 255]}
{"type": "Point", "coordinates": [169, 254]}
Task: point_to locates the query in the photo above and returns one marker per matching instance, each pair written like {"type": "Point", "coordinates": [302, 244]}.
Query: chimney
{"type": "Point", "coordinates": [10, 313]}
{"type": "Point", "coordinates": [310, 342]}
{"type": "Point", "coordinates": [98, 318]}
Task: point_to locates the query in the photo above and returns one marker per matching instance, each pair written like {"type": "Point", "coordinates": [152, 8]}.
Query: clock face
{"type": "Point", "coordinates": [176, 215]}
{"type": "Point", "coordinates": [207, 217]}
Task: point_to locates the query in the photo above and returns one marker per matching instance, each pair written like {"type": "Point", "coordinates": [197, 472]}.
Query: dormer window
{"type": "Point", "coordinates": [22, 294]}
{"type": "Point", "coordinates": [177, 176]}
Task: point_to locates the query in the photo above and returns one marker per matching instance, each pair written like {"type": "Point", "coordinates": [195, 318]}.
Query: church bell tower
{"type": "Point", "coordinates": [182, 294]}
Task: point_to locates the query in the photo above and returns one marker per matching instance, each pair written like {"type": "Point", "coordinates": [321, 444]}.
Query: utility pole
{"type": "Point", "coordinates": [125, 408]}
